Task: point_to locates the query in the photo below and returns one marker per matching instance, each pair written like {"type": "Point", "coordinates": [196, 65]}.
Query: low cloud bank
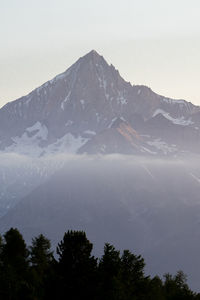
{"type": "Point", "coordinates": [150, 206]}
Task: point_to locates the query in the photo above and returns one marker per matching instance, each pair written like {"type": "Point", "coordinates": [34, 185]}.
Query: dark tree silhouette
{"type": "Point", "coordinates": [75, 274]}
{"type": "Point", "coordinates": [41, 259]}
{"type": "Point", "coordinates": [132, 276]}
{"type": "Point", "coordinates": [109, 268]}
{"type": "Point", "coordinates": [76, 266]}
{"type": "Point", "coordinates": [175, 287]}
{"type": "Point", "coordinates": [15, 282]}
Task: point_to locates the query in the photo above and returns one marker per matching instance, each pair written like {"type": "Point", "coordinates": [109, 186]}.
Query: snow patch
{"type": "Point", "coordinates": [162, 146]}
{"type": "Point", "coordinates": [29, 141]}
{"type": "Point", "coordinates": [82, 103]}
{"type": "Point", "coordinates": [112, 122]}
{"type": "Point", "coordinates": [98, 117]}
{"type": "Point", "coordinates": [65, 100]}
{"type": "Point", "coordinates": [37, 126]}
{"type": "Point", "coordinates": [90, 132]}
{"type": "Point", "coordinates": [30, 146]}
{"type": "Point", "coordinates": [177, 121]}
{"type": "Point", "coordinates": [121, 99]}
{"type": "Point", "coordinates": [173, 101]}
{"type": "Point", "coordinates": [114, 119]}
{"type": "Point", "coordinates": [69, 123]}
{"type": "Point", "coordinates": [181, 103]}
{"type": "Point", "coordinates": [67, 144]}
{"type": "Point", "coordinates": [144, 149]}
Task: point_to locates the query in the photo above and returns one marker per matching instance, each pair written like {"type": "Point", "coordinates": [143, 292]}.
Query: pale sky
{"type": "Point", "coordinates": [151, 42]}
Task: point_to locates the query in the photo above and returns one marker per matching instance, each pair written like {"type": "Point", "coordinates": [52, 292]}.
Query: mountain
{"type": "Point", "coordinates": [74, 112]}
{"type": "Point", "coordinates": [138, 201]}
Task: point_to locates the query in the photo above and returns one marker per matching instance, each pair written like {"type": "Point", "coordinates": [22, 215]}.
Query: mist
{"type": "Point", "coordinates": [148, 205]}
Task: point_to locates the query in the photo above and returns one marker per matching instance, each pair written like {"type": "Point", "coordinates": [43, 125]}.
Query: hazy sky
{"type": "Point", "coordinates": [151, 42]}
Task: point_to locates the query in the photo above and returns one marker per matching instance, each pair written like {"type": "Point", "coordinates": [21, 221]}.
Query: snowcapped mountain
{"type": "Point", "coordinates": [74, 112]}
{"type": "Point", "coordinates": [91, 109]}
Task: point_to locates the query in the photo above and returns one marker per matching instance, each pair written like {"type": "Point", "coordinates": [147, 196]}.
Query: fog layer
{"type": "Point", "coordinates": [150, 206]}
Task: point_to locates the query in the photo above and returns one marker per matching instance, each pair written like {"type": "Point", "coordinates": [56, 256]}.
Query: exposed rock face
{"type": "Point", "coordinates": [67, 111]}
{"type": "Point", "coordinates": [119, 138]}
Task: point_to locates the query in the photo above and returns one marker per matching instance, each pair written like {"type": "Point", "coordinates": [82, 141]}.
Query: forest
{"type": "Point", "coordinates": [35, 273]}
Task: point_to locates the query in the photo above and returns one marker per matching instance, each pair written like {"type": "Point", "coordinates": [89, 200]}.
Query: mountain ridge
{"type": "Point", "coordinates": [85, 98]}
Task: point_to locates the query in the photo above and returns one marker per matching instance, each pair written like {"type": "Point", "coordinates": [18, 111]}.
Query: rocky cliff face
{"type": "Point", "coordinates": [76, 106]}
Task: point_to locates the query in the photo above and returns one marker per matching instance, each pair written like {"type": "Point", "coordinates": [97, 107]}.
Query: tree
{"type": "Point", "coordinates": [132, 275]}
{"type": "Point", "coordinates": [41, 254]}
{"type": "Point", "coordinates": [14, 259]}
{"type": "Point", "coordinates": [132, 266]}
{"type": "Point", "coordinates": [155, 289]}
{"type": "Point", "coordinates": [1, 267]}
{"type": "Point", "coordinates": [176, 287]}
{"type": "Point", "coordinates": [1, 244]}
{"type": "Point", "coordinates": [76, 266]}
{"type": "Point", "coordinates": [1, 249]}
{"type": "Point", "coordinates": [41, 258]}
{"type": "Point", "coordinates": [109, 268]}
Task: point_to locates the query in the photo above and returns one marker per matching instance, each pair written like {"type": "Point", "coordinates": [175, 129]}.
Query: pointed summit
{"type": "Point", "coordinates": [92, 54]}
{"type": "Point", "coordinates": [94, 57]}
{"type": "Point", "coordinates": [83, 102]}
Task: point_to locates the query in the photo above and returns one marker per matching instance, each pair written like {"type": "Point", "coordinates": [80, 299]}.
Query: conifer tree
{"type": "Point", "coordinates": [41, 258]}
{"type": "Point", "coordinates": [15, 282]}
{"type": "Point", "coordinates": [132, 275]}
{"type": "Point", "coordinates": [109, 268]}
{"type": "Point", "coordinates": [76, 266]}
{"type": "Point", "coordinates": [175, 287]}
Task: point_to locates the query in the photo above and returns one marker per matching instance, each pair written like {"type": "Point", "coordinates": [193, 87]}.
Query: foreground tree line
{"type": "Point", "coordinates": [34, 273]}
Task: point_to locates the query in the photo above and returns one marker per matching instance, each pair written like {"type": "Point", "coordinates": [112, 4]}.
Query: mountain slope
{"type": "Point", "coordinates": [148, 206]}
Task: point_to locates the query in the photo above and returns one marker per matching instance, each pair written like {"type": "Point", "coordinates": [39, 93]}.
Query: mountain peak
{"type": "Point", "coordinates": [92, 53]}
{"type": "Point", "coordinates": [93, 56]}
{"type": "Point", "coordinates": [84, 101]}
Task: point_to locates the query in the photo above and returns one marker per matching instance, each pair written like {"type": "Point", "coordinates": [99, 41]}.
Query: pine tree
{"type": "Point", "coordinates": [14, 259]}
{"type": "Point", "coordinates": [109, 268]}
{"type": "Point", "coordinates": [76, 266]}
{"type": "Point", "coordinates": [1, 267]}
{"type": "Point", "coordinates": [175, 287]}
{"type": "Point", "coordinates": [155, 290]}
{"type": "Point", "coordinates": [132, 276]}
{"type": "Point", "coordinates": [41, 258]}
